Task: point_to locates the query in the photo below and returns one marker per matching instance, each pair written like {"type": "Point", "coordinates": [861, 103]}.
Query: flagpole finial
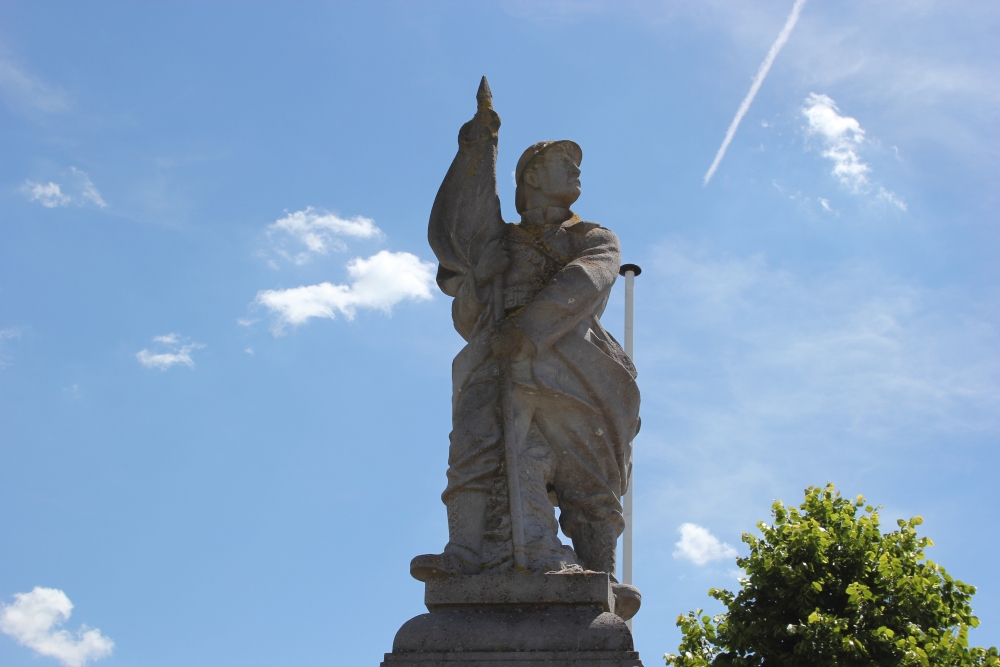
{"type": "Point", "coordinates": [625, 268]}
{"type": "Point", "coordinates": [484, 96]}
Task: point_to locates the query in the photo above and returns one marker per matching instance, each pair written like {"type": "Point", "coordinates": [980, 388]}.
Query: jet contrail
{"type": "Point", "coordinates": [759, 79]}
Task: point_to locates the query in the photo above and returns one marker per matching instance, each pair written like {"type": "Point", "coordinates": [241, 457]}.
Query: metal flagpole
{"type": "Point", "coordinates": [630, 271]}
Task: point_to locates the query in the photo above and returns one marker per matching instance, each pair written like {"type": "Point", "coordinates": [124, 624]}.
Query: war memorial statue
{"type": "Point", "coordinates": [545, 407]}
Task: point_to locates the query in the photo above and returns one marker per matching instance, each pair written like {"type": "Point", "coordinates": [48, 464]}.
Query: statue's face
{"type": "Point", "coordinates": [557, 178]}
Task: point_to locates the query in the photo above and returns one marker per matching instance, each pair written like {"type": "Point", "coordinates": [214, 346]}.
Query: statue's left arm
{"type": "Point", "coordinates": [465, 219]}
{"type": "Point", "coordinates": [472, 308]}
{"type": "Point", "coordinates": [574, 292]}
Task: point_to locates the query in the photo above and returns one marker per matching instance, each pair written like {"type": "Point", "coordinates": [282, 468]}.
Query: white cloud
{"type": "Point", "coordinates": [25, 91]}
{"type": "Point", "coordinates": [379, 282]}
{"type": "Point", "coordinates": [701, 547]}
{"type": "Point", "coordinates": [825, 203]}
{"type": "Point", "coordinates": [176, 353]}
{"type": "Point", "coordinates": [49, 195]}
{"type": "Point", "coordinates": [317, 231]}
{"type": "Point", "coordinates": [842, 136]}
{"type": "Point", "coordinates": [32, 620]}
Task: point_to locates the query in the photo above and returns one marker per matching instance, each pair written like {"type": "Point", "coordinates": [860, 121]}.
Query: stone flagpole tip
{"type": "Point", "coordinates": [484, 96]}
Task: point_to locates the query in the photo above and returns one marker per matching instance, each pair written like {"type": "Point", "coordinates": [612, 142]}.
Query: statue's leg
{"type": "Point", "coordinates": [587, 480]}
{"type": "Point", "coordinates": [466, 521]}
{"type": "Point", "coordinates": [536, 468]}
{"type": "Point", "coordinates": [473, 459]}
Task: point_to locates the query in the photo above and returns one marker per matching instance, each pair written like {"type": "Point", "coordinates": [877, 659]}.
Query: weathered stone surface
{"type": "Point", "coordinates": [545, 403]}
{"type": "Point", "coordinates": [503, 659]}
{"type": "Point", "coordinates": [516, 619]}
{"type": "Point", "coordinates": [554, 629]}
{"type": "Point", "coordinates": [545, 406]}
{"type": "Point", "coordinates": [591, 588]}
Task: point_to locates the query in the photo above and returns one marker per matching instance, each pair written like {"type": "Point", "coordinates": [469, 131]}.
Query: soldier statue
{"type": "Point", "coordinates": [545, 403]}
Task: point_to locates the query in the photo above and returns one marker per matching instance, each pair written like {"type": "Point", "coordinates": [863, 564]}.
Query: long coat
{"type": "Point", "coordinates": [578, 401]}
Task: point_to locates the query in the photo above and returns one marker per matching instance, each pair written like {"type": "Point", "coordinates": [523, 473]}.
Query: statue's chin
{"type": "Point", "coordinates": [564, 199]}
{"type": "Point", "coordinates": [572, 195]}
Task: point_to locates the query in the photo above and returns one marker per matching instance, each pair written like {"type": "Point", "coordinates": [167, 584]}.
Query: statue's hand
{"type": "Point", "coordinates": [509, 342]}
{"type": "Point", "coordinates": [492, 263]}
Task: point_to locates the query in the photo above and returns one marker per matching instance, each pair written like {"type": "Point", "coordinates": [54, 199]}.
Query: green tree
{"type": "Point", "coordinates": [824, 587]}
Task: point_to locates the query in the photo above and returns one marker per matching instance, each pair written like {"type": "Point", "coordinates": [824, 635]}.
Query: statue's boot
{"type": "Point", "coordinates": [595, 543]}
{"type": "Point", "coordinates": [431, 566]}
{"type": "Point", "coordinates": [466, 523]}
{"type": "Point", "coordinates": [627, 600]}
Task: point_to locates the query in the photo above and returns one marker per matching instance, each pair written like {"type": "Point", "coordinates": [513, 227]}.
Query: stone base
{"type": "Point", "coordinates": [523, 619]}
{"type": "Point", "coordinates": [517, 659]}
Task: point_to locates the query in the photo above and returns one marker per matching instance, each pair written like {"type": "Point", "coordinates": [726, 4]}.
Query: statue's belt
{"type": "Point", "coordinates": [516, 296]}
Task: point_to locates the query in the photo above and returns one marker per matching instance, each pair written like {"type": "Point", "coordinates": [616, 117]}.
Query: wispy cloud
{"type": "Point", "coordinates": [318, 231]}
{"type": "Point", "coordinates": [865, 349]}
{"type": "Point", "coordinates": [173, 351]}
{"type": "Point", "coordinates": [701, 547]}
{"type": "Point", "coordinates": [87, 189]}
{"type": "Point", "coordinates": [379, 282]}
{"type": "Point", "coordinates": [49, 195]}
{"type": "Point", "coordinates": [80, 191]}
{"type": "Point", "coordinates": [842, 137]}
{"type": "Point", "coordinates": [890, 198]}
{"type": "Point", "coordinates": [759, 377]}
{"type": "Point", "coordinates": [23, 91]}
{"type": "Point", "coordinates": [762, 71]}
{"type": "Point", "coordinates": [6, 334]}
{"type": "Point", "coordinates": [762, 379]}
{"type": "Point", "coordinates": [33, 621]}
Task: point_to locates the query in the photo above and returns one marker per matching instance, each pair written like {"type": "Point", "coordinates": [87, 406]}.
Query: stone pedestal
{"type": "Point", "coordinates": [516, 620]}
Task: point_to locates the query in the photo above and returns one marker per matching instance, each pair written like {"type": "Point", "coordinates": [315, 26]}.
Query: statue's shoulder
{"type": "Point", "coordinates": [582, 227]}
{"type": "Point", "coordinates": [590, 233]}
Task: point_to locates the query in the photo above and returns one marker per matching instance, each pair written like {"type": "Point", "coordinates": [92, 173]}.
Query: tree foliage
{"type": "Point", "coordinates": [825, 587]}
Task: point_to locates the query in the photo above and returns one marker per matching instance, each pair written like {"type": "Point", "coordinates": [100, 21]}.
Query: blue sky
{"type": "Point", "coordinates": [214, 470]}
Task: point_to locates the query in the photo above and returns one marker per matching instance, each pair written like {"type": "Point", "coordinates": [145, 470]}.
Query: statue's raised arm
{"type": "Point", "coordinates": [465, 225]}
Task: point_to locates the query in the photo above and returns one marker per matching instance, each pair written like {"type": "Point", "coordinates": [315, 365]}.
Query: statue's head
{"type": "Point", "coordinates": [548, 174]}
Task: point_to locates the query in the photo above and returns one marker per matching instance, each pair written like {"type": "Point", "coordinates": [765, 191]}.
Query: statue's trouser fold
{"type": "Point", "coordinates": [563, 450]}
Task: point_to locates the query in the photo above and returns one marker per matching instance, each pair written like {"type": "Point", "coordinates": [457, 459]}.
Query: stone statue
{"type": "Point", "coordinates": [545, 406]}
{"type": "Point", "coordinates": [540, 385]}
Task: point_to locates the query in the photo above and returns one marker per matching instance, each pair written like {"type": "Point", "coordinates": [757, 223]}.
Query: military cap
{"type": "Point", "coordinates": [571, 147]}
